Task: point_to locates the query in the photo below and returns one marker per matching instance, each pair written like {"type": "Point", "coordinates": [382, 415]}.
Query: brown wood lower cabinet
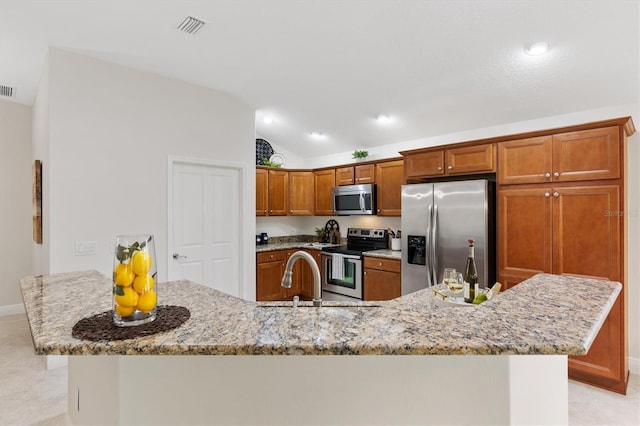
{"type": "Point", "coordinates": [306, 275]}
{"type": "Point", "coordinates": [570, 229]}
{"type": "Point", "coordinates": [381, 278]}
{"type": "Point", "coordinates": [270, 267]}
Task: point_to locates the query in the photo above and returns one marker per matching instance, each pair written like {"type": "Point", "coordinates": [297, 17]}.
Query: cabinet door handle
{"type": "Point", "coordinates": [365, 272]}
{"type": "Point", "coordinates": [556, 174]}
{"type": "Point", "coordinates": [291, 211]}
{"type": "Point", "coordinates": [450, 167]}
{"type": "Point", "coordinates": [547, 175]}
{"type": "Point", "coordinates": [380, 264]}
{"type": "Point", "coordinates": [546, 194]}
{"type": "Point", "coordinates": [439, 167]}
{"type": "Point", "coordinates": [555, 194]}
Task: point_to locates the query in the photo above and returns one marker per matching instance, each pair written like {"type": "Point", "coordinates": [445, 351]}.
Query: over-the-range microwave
{"type": "Point", "coordinates": [355, 199]}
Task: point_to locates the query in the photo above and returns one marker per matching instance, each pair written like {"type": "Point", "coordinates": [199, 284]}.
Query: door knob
{"type": "Point", "coordinates": [546, 194]}
{"type": "Point", "coordinates": [547, 175]}
{"type": "Point", "coordinates": [179, 256]}
{"type": "Point", "coordinates": [555, 194]}
{"type": "Point", "coordinates": [556, 174]}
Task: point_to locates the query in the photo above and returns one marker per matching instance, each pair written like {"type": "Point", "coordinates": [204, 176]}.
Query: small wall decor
{"type": "Point", "coordinates": [36, 189]}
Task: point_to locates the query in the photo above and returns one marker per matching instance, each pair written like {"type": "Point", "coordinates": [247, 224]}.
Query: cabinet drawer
{"type": "Point", "coordinates": [271, 256]}
{"type": "Point", "coordinates": [391, 265]}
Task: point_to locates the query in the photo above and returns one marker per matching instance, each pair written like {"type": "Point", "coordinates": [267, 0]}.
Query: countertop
{"type": "Point", "coordinates": [388, 254]}
{"type": "Point", "coordinates": [546, 314]}
{"type": "Point", "coordinates": [293, 245]}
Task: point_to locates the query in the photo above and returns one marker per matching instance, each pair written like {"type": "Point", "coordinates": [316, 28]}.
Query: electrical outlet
{"type": "Point", "coordinates": [85, 248]}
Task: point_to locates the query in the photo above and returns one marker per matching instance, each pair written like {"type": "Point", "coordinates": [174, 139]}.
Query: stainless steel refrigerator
{"type": "Point", "coordinates": [437, 221]}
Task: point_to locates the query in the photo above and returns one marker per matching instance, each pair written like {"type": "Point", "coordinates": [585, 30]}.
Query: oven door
{"type": "Point", "coordinates": [349, 283]}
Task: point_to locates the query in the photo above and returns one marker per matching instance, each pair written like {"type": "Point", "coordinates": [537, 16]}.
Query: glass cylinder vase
{"type": "Point", "coordinates": [134, 274]}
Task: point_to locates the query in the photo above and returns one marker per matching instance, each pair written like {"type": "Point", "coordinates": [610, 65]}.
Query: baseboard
{"type": "Point", "coordinates": [12, 309]}
{"type": "Point", "coordinates": [634, 365]}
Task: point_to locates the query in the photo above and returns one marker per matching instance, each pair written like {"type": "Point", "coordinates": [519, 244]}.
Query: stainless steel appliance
{"type": "Point", "coordinates": [341, 267]}
{"type": "Point", "coordinates": [437, 220]}
{"type": "Point", "coordinates": [355, 199]}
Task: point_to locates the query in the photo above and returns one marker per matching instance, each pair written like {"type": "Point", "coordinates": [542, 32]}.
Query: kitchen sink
{"type": "Point", "coordinates": [317, 245]}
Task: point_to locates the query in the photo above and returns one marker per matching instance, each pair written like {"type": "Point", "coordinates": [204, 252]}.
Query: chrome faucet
{"type": "Point", "coordinates": [286, 278]}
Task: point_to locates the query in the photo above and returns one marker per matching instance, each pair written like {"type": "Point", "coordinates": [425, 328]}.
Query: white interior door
{"type": "Point", "coordinates": [205, 225]}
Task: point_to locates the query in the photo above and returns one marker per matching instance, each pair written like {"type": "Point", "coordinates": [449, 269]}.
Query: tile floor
{"type": "Point", "coordinates": [32, 395]}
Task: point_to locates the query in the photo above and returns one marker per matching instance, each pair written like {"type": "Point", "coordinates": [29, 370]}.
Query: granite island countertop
{"type": "Point", "coordinates": [546, 314]}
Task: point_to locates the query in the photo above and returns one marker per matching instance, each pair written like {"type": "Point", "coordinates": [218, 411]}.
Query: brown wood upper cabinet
{"type": "Point", "coordinates": [262, 192]}
{"type": "Point", "coordinates": [324, 181]}
{"type": "Point", "coordinates": [278, 192]}
{"type": "Point", "coordinates": [573, 156]}
{"type": "Point", "coordinates": [451, 161]}
{"type": "Point", "coordinates": [389, 180]}
{"type": "Point", "coordinates": [301, 193]}
{"type": "Point", "coordinates": [354, 175]}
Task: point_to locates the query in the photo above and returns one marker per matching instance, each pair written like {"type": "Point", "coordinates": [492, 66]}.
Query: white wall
{"type": "Point", "coordinates": [111, 130]}
{"type": "Point", "coordinates": [278, 226]}
{"type": "Point", "coordinates": [15, 201]}
{"type": "Point", "coordinates": [40, 147]}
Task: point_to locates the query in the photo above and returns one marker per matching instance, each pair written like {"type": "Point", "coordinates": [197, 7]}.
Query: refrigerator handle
{"type": "Point", "coordinates": [428, 249]}
{"type": "Point", "coordinates": [434, 244]}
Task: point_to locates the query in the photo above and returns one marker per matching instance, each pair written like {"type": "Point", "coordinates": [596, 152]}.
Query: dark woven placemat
{"type": "Point", "coordinates": [101, 326]}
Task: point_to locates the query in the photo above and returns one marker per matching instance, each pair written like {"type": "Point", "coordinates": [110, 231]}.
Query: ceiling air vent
{"type": "Point", "coordinates": [190, 25]}
{"type": "Point", "coordinates": [7, 91]}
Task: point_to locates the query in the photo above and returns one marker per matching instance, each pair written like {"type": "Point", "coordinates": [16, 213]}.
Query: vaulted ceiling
{"type": "Point", "coordinates": [433, 66]}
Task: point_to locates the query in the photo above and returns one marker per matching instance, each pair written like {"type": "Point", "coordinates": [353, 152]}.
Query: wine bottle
{"type": "Point", "coordinates": [470, 275]}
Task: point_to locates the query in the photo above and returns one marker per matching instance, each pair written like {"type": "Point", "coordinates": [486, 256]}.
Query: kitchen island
{"type": "Point", "coordinates": [547, 315]}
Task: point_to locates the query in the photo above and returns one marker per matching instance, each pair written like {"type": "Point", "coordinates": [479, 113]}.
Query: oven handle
{"type": "Point", "coordinates": [346, 256]}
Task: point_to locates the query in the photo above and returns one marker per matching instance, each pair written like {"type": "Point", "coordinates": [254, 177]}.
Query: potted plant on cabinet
{"type": "Point", "coordinates": [360, 155]}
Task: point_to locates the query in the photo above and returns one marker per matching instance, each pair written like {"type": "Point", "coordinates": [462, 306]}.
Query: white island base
{"type": "Point", "coordinates": [307, 389]}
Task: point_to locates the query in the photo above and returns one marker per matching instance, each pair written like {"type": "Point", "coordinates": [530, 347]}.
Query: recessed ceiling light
{"type": "Point", "coordinates": [384, 119]}
{"type": "Point", "coordinates": [538, 48]}
{"type": "Point", "coordinates": [268, 119]}
{"type": "Point", "coordinates": [317, 135]}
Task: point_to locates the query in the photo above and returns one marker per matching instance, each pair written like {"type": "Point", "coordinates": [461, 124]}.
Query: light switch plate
{"type": "Point", "coordinates": [85, 248]}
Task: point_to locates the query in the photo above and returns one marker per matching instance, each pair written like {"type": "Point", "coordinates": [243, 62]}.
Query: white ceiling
{"type": "Point", "coordinates": [331, 66]}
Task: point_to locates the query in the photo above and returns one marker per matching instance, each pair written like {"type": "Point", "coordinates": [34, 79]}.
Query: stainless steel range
{"type": "Point", "coordinates": [341, 267]}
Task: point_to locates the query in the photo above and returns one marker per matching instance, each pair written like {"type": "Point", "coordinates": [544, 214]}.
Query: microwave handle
{"type": "Point", "coordinates": [361, 199]}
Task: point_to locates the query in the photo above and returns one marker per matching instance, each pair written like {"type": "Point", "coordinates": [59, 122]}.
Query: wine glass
{"type": "Point", "coordinates": [449, 277]}
{"type": "Point", "coordinates": [456, 285]}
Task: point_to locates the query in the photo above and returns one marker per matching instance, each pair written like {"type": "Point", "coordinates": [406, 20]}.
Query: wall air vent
{"type": "Point", "coordinates": [190, 25]}
{"type": "Point", "coordinates": [7, 91]}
